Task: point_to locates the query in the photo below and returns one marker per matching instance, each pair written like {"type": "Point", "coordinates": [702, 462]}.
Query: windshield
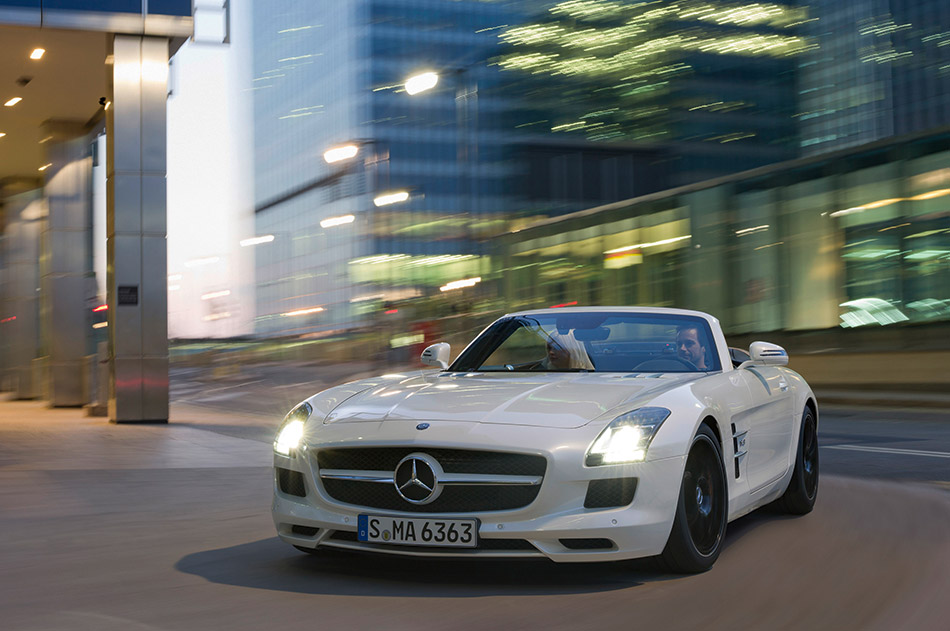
{"type": "Point", "coordinates": [593, 342]}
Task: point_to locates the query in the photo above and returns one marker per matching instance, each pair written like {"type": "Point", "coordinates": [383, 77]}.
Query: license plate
{"type": "Point", "coordinates": [410, 531]}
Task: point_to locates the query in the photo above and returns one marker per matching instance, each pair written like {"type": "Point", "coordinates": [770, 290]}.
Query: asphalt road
{"type": "Point", "coordinates": [168, 527]}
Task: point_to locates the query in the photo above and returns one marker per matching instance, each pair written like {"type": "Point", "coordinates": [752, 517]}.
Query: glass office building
{"type": "Point", "coordinates": [856, 238]}
{"type": "Point", "coordinates": [330, 74]}
{"type": "Point", "coordinates": [882, 68]}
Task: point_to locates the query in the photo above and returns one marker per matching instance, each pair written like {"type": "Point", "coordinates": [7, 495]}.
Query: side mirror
{"type": "Point", "coordinates": [437, 355]}
{"type": "Point", "coordinates": [766, 354]}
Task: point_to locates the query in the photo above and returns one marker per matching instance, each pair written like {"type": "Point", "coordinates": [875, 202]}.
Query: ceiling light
{"type": "Point", "coordinates": [421, 82]}
{"type": "Point", "coordinates": [45, 166]}
{"type": "Point", "coordinates": [13, 101]}
{"type": "Point", "coordinates": [37, 53]}
{"type": "Point", "coordinates": [337, 221]}
{"type": "Point", "coordinates": [2, 134]}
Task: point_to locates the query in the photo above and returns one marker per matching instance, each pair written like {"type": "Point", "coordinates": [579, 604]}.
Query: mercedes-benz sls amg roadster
{"type": "Point", "coordinates": [579, 434]}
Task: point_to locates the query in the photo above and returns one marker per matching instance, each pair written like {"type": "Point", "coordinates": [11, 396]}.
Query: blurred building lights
{"type": "Point", "coordinates": [174, 287]}
{"type": "Point", "coordinates": [300, 312]}
{"type": "Point", "coordinates": [216, 294]}
{"type": "Point", "coordinates": [459, 284]}
{"type": "Point", "coordinates": [100, 325]}
{"type": "Point", "coordinates": [745, 231]}
{"type": "Point", "coordinates": [337, 221]}
{"type": "Point", "coordinates": [267, 238]}
{"type": "Point", "coordinates": [421, 82]}
{"type": "Point", "coordinates": [172, 277]}
{"type": "Point", "coordinates": [208, 260]}
{"type": "Point", "coordinates": [648, 245]}
{"type": "Point", "coordinates": [391, 198]}
{"type": "Point", "coordinates": [338, 154]}
{"type": "Point", "coordinates": [100, 308]}
{"type": "Point", "coordinates": [217, 316]}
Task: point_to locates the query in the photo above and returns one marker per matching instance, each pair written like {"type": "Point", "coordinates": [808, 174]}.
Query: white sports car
{"type": "Point", "coordinates": [584, 434]}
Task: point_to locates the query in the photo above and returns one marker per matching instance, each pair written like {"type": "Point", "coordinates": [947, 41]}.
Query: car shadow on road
{"type": "Point", "coordinates": [272, 564]}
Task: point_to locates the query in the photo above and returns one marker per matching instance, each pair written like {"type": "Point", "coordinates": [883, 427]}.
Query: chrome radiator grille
{"type": "Point", "coordinates": [462, 481]}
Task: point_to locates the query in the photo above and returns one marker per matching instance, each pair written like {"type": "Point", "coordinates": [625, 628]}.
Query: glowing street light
{"type": "Point", "coordinates": [338, 154]}
{"type": "Point", "coordinates": [421, 82]}
{"type": "Point", "coordinates": [391, 198]}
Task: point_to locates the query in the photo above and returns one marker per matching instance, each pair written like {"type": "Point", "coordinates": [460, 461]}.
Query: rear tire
{"type": "Point", "coordinates": [699, 525]}
{"type": "Point", "coordinates": [799, 498]}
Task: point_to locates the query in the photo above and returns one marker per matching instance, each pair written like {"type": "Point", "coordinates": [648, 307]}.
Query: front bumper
{"type": "Point", "coordinates": [536, 530]}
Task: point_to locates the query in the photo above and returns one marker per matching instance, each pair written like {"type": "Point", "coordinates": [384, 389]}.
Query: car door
{"type": "Point", "coordinates": [769, 425]}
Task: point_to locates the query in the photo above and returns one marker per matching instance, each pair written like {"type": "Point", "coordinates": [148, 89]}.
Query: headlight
{"type": "Point", "coordinates": [291, 430]}
{"type": "Point", "coordinates": [627, 437]}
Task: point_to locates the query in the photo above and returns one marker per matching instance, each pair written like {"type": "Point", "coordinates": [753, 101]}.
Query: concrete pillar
{"type": "Point", "coordinates": [19, 321]}
{"type": "Point", "coordinates": [65, 262]}
{"type": "Point", "coordinates": [136, 230]}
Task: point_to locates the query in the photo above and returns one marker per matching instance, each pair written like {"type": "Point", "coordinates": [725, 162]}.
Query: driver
{"type": "Point", "coordinates": [689, 347]}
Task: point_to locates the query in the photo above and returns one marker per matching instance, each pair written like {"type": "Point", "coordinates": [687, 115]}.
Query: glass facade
{"type": "Point", "coordinates": [332, 73]}
{"type": "Point", "coordinates": [882, 68]}
{"type": "Point", "coordinates": [712, 80]}
{"type": "Point", "coordinates": [852, 239]}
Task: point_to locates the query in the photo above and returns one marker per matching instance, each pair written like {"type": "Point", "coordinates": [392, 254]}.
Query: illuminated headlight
{"type": "Point", "coordinates": [291, 430]}
{"type": "Point", "coordinates": [627, 437]}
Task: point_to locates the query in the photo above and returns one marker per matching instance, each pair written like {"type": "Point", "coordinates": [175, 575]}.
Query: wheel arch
{"type": "Point", "coordinates": [811, 405]}
{"type": "Point", "coordinates": [713, 424]}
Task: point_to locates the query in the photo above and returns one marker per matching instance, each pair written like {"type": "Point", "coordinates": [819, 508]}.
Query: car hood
{"type": "Point", "coordinates": [562, 400]}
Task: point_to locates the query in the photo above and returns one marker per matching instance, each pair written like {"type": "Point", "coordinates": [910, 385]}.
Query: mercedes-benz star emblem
{"type": "Point", "coordinates": [422, 426]}
{"type": "Point", "coordinates": [417, 478]}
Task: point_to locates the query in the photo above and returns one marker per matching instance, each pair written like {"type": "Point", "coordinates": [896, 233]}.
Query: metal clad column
{"type": "Point", "coordinates": [64, 261]}
{"type": "Point", "coordinates": [20, 328]}
{"type": "Point", "coordinates": [136, 230]}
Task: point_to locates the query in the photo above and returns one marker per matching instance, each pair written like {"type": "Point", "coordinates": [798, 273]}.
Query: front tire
{"type": "Point", "coordinates": [799, 498]}
{"type": "Point", "coordinates": [699, 525]}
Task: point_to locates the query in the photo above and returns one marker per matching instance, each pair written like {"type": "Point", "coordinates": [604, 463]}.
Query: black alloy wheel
{"type": "Point", "coordinates": [699, 525]}
{"type": "Point", "coordinates": [799, 498]}
{"type": "Point", "coordinates": [702, 490]}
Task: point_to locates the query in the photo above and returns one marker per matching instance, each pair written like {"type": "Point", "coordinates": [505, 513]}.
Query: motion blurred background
{"type": "Point", "coordinates": [350, 180]}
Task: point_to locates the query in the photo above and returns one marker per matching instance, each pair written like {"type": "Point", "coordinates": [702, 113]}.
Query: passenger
{"type": "Point", "coordinates": [690, 347]}
{"type": "Point", "coordinates": [565, 353]}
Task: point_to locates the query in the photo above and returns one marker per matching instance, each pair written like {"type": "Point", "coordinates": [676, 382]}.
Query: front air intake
{"type": "Point", "coordinates": [291, 482]}
{"type": "Point", "coordinates": [611, 493]}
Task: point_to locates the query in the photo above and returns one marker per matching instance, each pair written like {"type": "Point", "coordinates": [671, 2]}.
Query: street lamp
{"type": "Point", "coordinates": [467, 140]}
{"type": "Point", "coordinates": [338, 154]}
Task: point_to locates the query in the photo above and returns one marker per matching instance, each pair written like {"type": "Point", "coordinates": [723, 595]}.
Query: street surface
{"type": "Point", "coordinates": [147, 527]}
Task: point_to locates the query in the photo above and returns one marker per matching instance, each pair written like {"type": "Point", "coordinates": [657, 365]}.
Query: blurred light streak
{"type": "Point", "coordinates": [216, 294]}
{"type": "Point", "coordinates": [459, 284]}
{"type": "Point", "coordinates": [10, 319]}
{"type": "Point", "coordinates": [648, 245]}
{"type": "Point", "coordinates": [174, 287]}
{"type": "Point", "coordinates": [746, 231]}
{"type": "Point", "coordinates": [564, 304]}
{"type": "Point", "coordinates": [300, 312]}
{"type": "Point", "coordinates": [267, 238]}
{"type": "Point", "coordinates": [392, 311]}
{"type": "Point", "coordinates": [391, 198]}
{"type": "Point", "coordinates": [100, 308]}
{"type": "Point", "coordinates": [216, 316]}
{"type": "Point", "coordinates": [208, 260]}
{"type": "Point", "coordinates": [337, 221]}
{"type": "Point", "coordinates": [100, 325]}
